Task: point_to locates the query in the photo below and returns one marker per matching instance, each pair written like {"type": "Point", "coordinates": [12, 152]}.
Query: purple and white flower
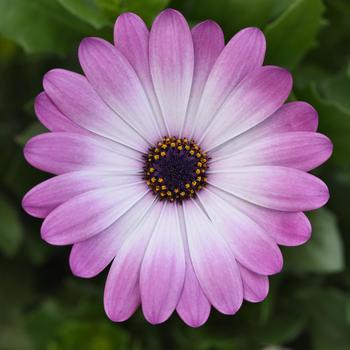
{"type": "Point", "coordinates": [176, 161]}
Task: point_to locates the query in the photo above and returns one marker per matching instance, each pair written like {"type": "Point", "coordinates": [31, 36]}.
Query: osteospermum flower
{"type": "Point", "coordinates": [177, 160]}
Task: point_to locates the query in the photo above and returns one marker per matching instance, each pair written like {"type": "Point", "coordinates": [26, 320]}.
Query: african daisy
{"type": "Point", "coordinates": [176, 161]}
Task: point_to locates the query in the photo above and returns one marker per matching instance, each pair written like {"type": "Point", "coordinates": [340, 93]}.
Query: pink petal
{"type": "Point", "coordinates": [250, 244]}
{"type": "Point", "coordinates": [89, 213]}
{"type": "Point", "coordinates": [163, 268]}
{"type": "Point", "coordinates": [259, 95]}
{"type": "Point", "coordinates": [293, 116]}
{"type": "Point", "coordinates": [75, 97]}
{"type": "Point", "coordinates": [51, 117]}
{"type": "Point", "coordinates": [171, 63]}
{"type": "Point", "coordinates": [274, 187]}
{"type": "Point", "coordinates": [193, 306]}
{"type": "Point", "coordinates": [50, 194]}
{"type": "Point", "coordinates": [285, 228]}
{"type": "Point", "coordinates": [115, 80]}
{"type": "Point", "coordinates": [255, 287]}
{"type": "Point", "coordinates": [213, 262]}
{"type": "Point", "coordinates": [131, 37]}
{"type": "Point", "coordinates": [61, 152]}
{"type": "Point", "coordinates": [208, 42]}
{"type": "Point", "coordinates": [88, 258]}
{"type": "Point", "coordinates": [301, 150]}
{"type": "Point", "coordinates": [122, 293]}
{"type": "Point", "coordinates": [244, 53]}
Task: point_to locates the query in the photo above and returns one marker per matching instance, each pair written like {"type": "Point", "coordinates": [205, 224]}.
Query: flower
{"type": "Point", "coordinates": [177, 160]}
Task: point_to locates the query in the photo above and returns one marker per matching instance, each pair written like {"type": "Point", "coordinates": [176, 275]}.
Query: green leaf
{"type": "Point", "coordinates": [90, 11]}
{"type": "Point", "coordinates": [80, 334]}
{"type": "Point", "coordinates": [40, 25]}
{"type": "Point", "coordinates": [324, 252]}
{"type": "Point", "coordinates": [232, 15]}
{"type": "Point", "coordinates": [284, 327]}
{"type": "Point", "coordinates": [337, 89]}
{"type": "Point", "coordinates": [334, 121]}
{"type": "Point", "coordinates": [146, 9]}
{"type": "Point", "coordinates": [11, 230]}
{"type": "Point", "coordinates": [329, 327]}
{"type": "Point", "coordinates": [34, 129]}
{"type": "Point", "coordinates": [294, 33]}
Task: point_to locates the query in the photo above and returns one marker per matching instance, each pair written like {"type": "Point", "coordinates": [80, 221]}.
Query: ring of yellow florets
{"type": "Point", "coordinates": [175, 169]}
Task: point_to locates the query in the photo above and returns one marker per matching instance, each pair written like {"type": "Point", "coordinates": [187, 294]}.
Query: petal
{"type": "Point", "coordinates": [50, 194]}
{"type": "Point", "coordinates": [171, 63]}
{"type": "Point", "coordinates": [122, 293]}
{"type": "Point", "coordinates": [75, 97]}
{"type": "Point", "coordinates": [243, 53]}
{"type": "Point", "coordinates": [285, 228]}
{"type": "Point", "coordinates": [193, 306]}
{"type": "Point", "coordinates": [274, 187]}
{"type": "Point", "coordinates": [163, 268]}
{"type": "Point", "coordinates": [259, 95]}
{"type": "Point", "coordinates": [61, 152]}
{"type": "Point", "coordinates": [255, 287]}
{"type": "Point", "coordinates": [208, 42]}
{"type": "Point", "coordinates": [213, 262]}
{"type": "Point", "coordinates": [89, 213]}
{"type": "Point", "coordinates": [250, 244]}
{"type": "Point", "coordinates": [88, 258]}
{"type": "Point", "coordinates": [115, 80]}
{"type": "Point", "coordinates": [301, 150]}
{"type": "Point", "coordinates": [293, 116]}
{"type": "Point", "coordinates": [51, 117]}
{"type": "Point", "coordinates": [131, 37]}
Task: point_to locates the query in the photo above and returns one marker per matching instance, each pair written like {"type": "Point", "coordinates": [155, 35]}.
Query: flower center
{"type": "Point", "coordinates": [175, 169]}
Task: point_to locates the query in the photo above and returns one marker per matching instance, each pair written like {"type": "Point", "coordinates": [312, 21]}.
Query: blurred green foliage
{"type": "Point", "coordinates": [44, 307]}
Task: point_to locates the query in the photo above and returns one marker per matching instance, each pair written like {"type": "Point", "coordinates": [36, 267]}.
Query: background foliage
{"type": "Point", "coordinates": [42, 306]}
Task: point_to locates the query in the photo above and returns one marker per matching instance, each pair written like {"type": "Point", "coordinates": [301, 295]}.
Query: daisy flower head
{"type": "Point", "coordinates": [178, 162]}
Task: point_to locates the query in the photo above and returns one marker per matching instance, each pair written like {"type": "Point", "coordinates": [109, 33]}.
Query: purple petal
{"type": "Point", "coordinates": [89, 213]}
{"type": "Point", "coordinates": [171, 63]}
{"type": "Point", "coordinates": [213, 262]}
{"type": "Point", "coordinates": [51, 117]}
{"type": "Point", "coordinates": [163, 268]}
{"type": "Point", "coordinates": [300, 150]}
{"type": "Point", "coordinates": [115, 80]}
{"type": "Point", "coordinates": [75, 97]}
{"type": "Point", "coordinates": [293, 116]}
{"type": "Point", "coordinates": [131, 37]}
{"type": "Point", "coordinates": [50, 194]}
{"type": "Point", "coordinates": [259, 95]}
{"type": "Point", "coordinates": [88, 258]}
{"type": "Point", "coordinates": [243, 54]}
{"type": "Point", "coordinates": [274, 187]}
{"type": "Point", "coordinates": [208, 42]}
{"type": "Point", "coordinates": [285, 228]}
{"type": "Point", "coordinates": [255, 287]}
{"type": "Point", "coordinates": [193, 306]}
{"type": "Point", "coordinates": [250, 244]}
{"type": "Point", "coordinates": [61, 152]}
{"type": "Point", "coordinates": [122, 292]}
